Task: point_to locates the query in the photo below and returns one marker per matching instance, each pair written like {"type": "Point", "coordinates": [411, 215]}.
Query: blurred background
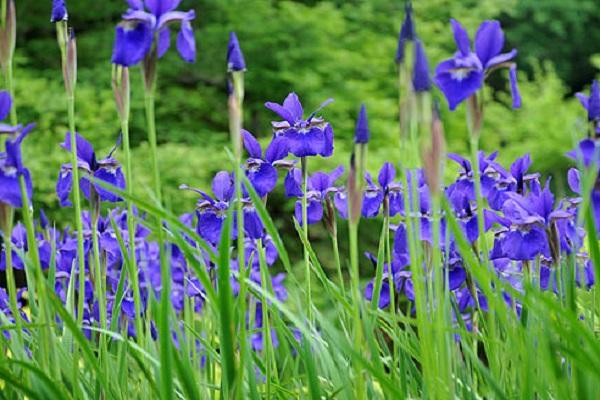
{"type": "Point", "coordinates": [343, 49]}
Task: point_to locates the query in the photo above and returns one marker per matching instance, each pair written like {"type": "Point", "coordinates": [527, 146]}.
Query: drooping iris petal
{"type": "Point", "coordinates": [293, 183]}
{"type": "Point", "coordinates": [5, 104]}
{"type": "Point", "coordinates": [252, 223]}
{"type": "Point", "coordinates": [209, 225]}
{"type": "Point", "coordinates": [457, 83]}
{"type": "Point", "coordinates": [489, 41]}
{"type": "Point", "coordinates": [525, 245]}
{"type": "Point", "coordinates": [461, 37]}
{"type": "Point", "coordinates": [164, 41]}
{"type": "Point", "coordinates": [314, 211]}
{"type": "Point", "coordinates": [456, 277]}
{"type": "Point", "coordinates": [384, 294]}
{"type": "Point", "coordinates": [328, 141]}
{"type": "Point", "coordinates": [340, 200]}
{"type": "Point", "coordinates": [372, 200]}
{"type": "Point", "coordinates": [64, 185]}
{"type": "Point", "coordinates": [133, 40]}
{"type": "Point", "coordinates": [186, 42]}
{"type": "Point", "coordinates": [514, 87]}
{"type": "Point", "coordinates": [574, 180]}
{"type": "Point", "coordinates": [263, 178]}
{"type": "Point", "coordinates": [304, 144]}
{"type": "Point", "coordinates": [10, 190]}
{"type": "Point", "coordinates": [594, 102]}
{"type": "Point", "coordinates": [113, 176]}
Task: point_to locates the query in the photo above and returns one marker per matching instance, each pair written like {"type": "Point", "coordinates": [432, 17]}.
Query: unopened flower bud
{"type": "Point", "coordinates": [121, 90]}
{"type": "Point", "coordinates": [8, 34]}
{"type": "Point", "coordinates": [433, 156]}
{"type": "Point", "coordinates": [70, 63]}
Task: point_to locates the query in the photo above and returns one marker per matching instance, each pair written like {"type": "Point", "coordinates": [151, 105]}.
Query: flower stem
{"type": "Point", "coordinates": [304, 162]}
{"type": "Point", "coordinates": [235, 108]}
{"type": "Point", "coordinates": [7, 225]}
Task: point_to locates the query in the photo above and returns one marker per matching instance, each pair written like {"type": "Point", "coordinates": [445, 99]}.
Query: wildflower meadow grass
{"type": "Point", "coordinates": [484, 285]}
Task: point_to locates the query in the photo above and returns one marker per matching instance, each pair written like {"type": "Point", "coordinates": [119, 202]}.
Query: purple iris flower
{"type": "Point", "coordinates": [211, 212]}
{"type": "Point", "coordinates": [362, 133]}
{"type": "Point", "coordinates": [407, 32]}
{"type": "Point", "coordinates": [375, 194]}
{"type": "Point", "coordinates": [261, 169]}
{"type": "Point", "coordinates": [592, 104]}
{"type": "Point", "coordinates": [320, 187]}
{"type": "Point", "coordinates": [305, 137]}
{"type": "Point", "coordinates": [464, 74]}
{"type": "Point", "coordinates": [21, 246]}
{"type": "Point", "coordinates": [251, 251]}
{"type": "Point", "coordinates": [531, 221]}
{"type": "Point", "coordinates": [147, 22]}
{"type": "Point", "coordinates": [107, 170]}
{"type": "Point", "coordinates": [59, 11]}
{"type": "Point", "coordinates": [12, 168]}
{"type": "Point", "coordinates": [235, 57]}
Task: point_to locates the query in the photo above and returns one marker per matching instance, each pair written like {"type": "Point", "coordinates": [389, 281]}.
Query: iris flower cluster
{"type": "Point", "coordinates": [526, 221]}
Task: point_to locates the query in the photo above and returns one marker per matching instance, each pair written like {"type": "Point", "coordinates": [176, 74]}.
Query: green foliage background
{"type": "Point", "coordinates": [320, 49]}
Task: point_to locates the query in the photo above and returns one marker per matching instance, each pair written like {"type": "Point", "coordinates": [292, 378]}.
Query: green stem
{"type": "Point", "coordinates": [40, 295]}
{"type": "Point", "coordinates": [77, 207]}
{"type": "Point", "coordinates": [304, 162]}
{"type": "Point", "coordinates": [151, 121]}
{"type": "Point", "coordinates": [10, 275]}
{"type": "Point", "coordinates": [336, 257]}
{"type": "Point", "coordinates": [355, 280]}
{"type": "Point", "coordinates": [131, 228]}
{"type": "Point", "coordinates": [164, 314]}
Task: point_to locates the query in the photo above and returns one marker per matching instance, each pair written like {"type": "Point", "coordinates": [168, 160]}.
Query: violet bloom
{"type": "Point", "coordinates": [59, 11]}
{"type": "Point", "coordinates": [305, 137]}
{"type": "Point", "coordinates": [261, 170]}
{"type": "Point", "coordinates": [235, 57]}
{"type": "Point", "coordinates": [11, 170]}
{"type": "Point", "coordinates": [463, 75]}
{"type": "Point", "coordinates": [211, 212]}
{"type": "Point", "coordinates": [374, 195]}
{"type": "Point", "coordinates": [107, 170]}
{"type": "Point", "coordinates": [532, 225]}
{"type": "Point", "coordinates": [320, 187]}
{"type": "Point", "coordinates": [592, 104]}
{"type": "Point", "coordinates": [147, 23]}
